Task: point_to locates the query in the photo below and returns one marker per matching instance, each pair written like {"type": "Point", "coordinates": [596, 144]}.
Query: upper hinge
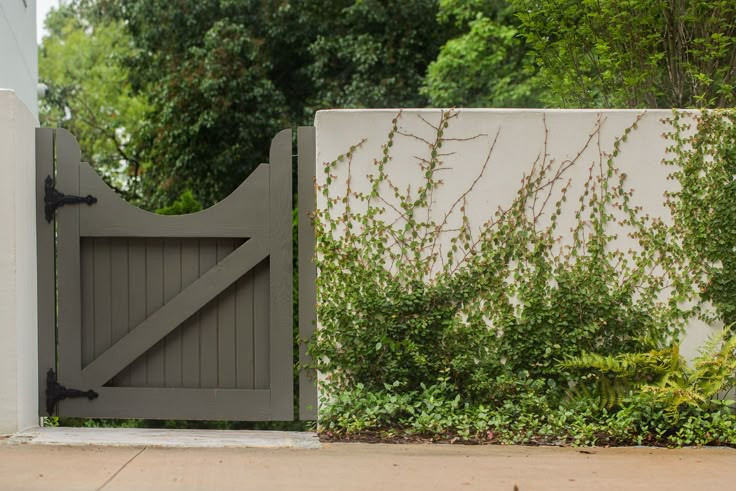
{"type": "Point", "coordinates": [54, 199]}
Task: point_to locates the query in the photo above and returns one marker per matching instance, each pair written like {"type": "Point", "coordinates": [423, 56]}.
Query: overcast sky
{"type": "Point", "coordinates": [42, 8]}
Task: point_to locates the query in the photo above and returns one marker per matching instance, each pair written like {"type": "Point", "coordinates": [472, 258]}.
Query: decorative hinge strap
{"type": "Point", "coordinates": [56, 392]}
{"type": "Point", "coordinates": [54, 199]}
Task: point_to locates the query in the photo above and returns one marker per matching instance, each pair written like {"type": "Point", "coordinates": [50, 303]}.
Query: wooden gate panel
{"type": "Point", "coordinates": [69, 265]}
{"type": "Point", "coordinates": [190, 330]}
{"type": "Point", "coordinates": [118, 273]}
{"type": "Point", "coordinates": [46, 266]}
{"type": "Point", "coordinates": [225, 327]}
{"type": "Point", "coordinates": [306, 139]}
{"type": "Point", "coordinates": [244, 213]}
{"type": "Point", "coordinates": [120, 295]}
{"type": "Point", "coordinates": [280, 286]}
{"type": "Point", "coordinates": [245, 334]}
{"type": "Point", "coordinates": [173, 360]}
{"type": "Point", "coordinates": [261, 318]}
{"type": "Point", "coordinates": [183, 317]}
{"type": "Point", "coordinates": [137, 304]}
{"type": "Point", "coordinates": [208, 327]}
{"type": "Point", "coordinates": [154, 301]}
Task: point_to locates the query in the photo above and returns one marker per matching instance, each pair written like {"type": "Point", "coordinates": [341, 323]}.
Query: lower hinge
{"type": "Point", "coordinates": [56, 392]}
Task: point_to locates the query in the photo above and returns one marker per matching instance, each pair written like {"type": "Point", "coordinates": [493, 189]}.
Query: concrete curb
{"type": "Point", "coordinates": [166, 438]}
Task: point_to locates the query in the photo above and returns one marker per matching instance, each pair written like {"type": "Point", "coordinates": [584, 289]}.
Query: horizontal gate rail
{"type": "Point", "coordinates": [178, 403]}
{"type": "Point", "coordinates": [224, 219]}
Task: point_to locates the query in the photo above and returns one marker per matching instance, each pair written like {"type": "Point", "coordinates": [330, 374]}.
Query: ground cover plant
{"type": "Point", "coordinates": [431, 329]}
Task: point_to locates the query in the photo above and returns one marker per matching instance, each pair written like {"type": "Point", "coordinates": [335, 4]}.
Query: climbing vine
{"type": "Point", "coordinates": [703, 157]}
{"type": "Point", "coordinates": [416, 305]}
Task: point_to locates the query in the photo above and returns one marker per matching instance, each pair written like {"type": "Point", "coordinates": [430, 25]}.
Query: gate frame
{"type": "Point", "coordinates": [54, 146]}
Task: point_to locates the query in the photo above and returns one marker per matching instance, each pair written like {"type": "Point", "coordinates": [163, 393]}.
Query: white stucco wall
{"type": "Point", "coordinates": [18, 51]}
{"type": "Point", "coordinates": [18, 329]}
{"type": "Point", "coordinates": [520, 141]}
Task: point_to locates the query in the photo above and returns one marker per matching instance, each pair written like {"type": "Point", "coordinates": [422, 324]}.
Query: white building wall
{"type": "Point", "coordinates": [521, 140]}
{"type": "Point", "coordinates": [18, 50]}
{"type": "Point", "coordinates": [18, 315]}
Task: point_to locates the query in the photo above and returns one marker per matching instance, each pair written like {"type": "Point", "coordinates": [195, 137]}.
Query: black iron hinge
{"type": "Point", "coordinates": [56, 392]}
{"type": "Point", "coordinates": [55, 199]}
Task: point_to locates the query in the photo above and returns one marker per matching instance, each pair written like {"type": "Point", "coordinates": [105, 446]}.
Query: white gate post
{"type": "Point", "coordinates": [18, 315]}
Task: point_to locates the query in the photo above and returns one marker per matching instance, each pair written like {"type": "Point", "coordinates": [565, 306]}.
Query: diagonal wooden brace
{"type": "Point", "coordinates": [173, 313]}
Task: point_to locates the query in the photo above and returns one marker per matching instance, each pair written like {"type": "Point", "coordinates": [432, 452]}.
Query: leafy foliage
{"type": "Point", "coordinates": [663, 379]}
{"type": "Point", "coordinates": [616, 376]}
{"type": "Point", "coordinates": [703, 156]}
{"type": "Point", "coordinates": [225, 75]}
{"type": "Point", "coordinates": [192, 106]}
{"type": "Point", "coordinates": [486, 64]}
{"type": "Point", "coordinates": [530, 418]}
{"type": "Point", "coordinates": [216, 112]}
{"type": "Point", "coordinates": [185, 203]}
{"type": "Point", "coordinates": [636, 53]}
{"type": "Point", "coordinates": [482, 324]}
{"type": "Point", "coordinates": [90, 94]}
{"type": "Point", "coordinates": [371, 53]}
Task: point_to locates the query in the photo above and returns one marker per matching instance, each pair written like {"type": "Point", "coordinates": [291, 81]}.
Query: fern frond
{"type": "Point", "coordinates": [612, 392]}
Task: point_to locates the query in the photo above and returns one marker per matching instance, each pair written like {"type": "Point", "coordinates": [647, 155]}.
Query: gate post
{"type": "Point", "coordinates": [18, 316]}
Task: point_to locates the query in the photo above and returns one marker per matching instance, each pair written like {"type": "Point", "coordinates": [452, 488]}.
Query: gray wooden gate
{"type": "Point", "coordinates": [170, 317]}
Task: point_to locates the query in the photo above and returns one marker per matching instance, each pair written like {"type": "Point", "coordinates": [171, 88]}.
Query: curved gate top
{"type": "Point", "coordinates": [169, 317]}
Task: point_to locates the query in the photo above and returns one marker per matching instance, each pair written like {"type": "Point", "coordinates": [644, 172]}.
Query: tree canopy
{"type": "Point", "coordinates": [90, 94]}
{"type": "Point", "coordinates": [633, 53]}
{"type": "Point", "coordinates": [176, 102]}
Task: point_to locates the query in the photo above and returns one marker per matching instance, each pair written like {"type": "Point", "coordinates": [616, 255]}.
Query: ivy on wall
{"type": "Point", "coordinates": [426, 324]}
{"type": "Point", "coordinates": [703, 156]}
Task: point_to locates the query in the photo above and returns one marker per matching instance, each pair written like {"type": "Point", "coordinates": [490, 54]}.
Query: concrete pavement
{"type": "Point", "coordinates": [363, 467]}
{"type": "Point", "coordinates": [165, 437]}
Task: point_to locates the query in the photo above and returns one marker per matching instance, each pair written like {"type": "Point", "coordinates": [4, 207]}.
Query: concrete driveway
{"type": "Point", "coordinates": [363, 467]}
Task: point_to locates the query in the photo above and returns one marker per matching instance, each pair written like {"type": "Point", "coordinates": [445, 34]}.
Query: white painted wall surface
{"type": "Point", "coordinates": [18, 319]}
{"type": "Point", "coordinates": [521, 139]}
{"type": "Point", "coordinates": [18, 50]}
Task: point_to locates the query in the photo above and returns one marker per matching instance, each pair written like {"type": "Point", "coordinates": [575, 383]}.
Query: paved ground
{"type": "Point", "coordinates": [363, 467]}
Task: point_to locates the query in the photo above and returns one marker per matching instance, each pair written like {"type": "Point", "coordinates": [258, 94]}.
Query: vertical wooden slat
{"type": "Point", "coordinates": [307, 270]}
{"type": "Point", "coordinates": [244, 331]}
{"type": "Point", "coordinates": [69, 363]}
{"type": "Point", "coordinates": [154, 300]}
{"type": "Point", "coordinates": [120, 289]}
{"type": "Point", "coordinates": [190, 328]}
{"type": "Point", "coordinates": [46, 273]}
{"type": "Point", "coordinates": [137, 302]}
{"type": "Point", "coordinates": [208, 321]}
{"type": "Point", "coordinates": [226, 339]}
{"type": "Point", "coordinates": [261, 327]}
{"type": "Point", "coordinates": [172, 286]}
{"type": "Point", "coordinates": [87, 274]}
{"type": "Point", "coordinates": [226, 353]}
{"type": "Point", "coordinates": [281, 279]}
{"type": "Point", "coordinates": [102, 295]}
